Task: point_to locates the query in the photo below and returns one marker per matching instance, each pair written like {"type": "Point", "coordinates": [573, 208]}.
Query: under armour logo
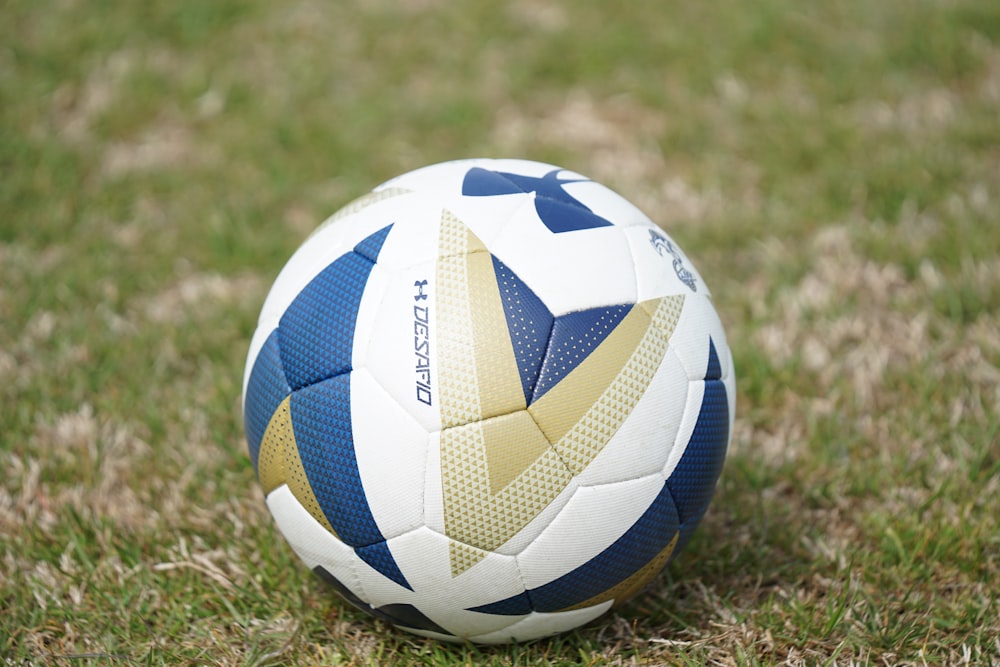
{"type": "Point", "coordinates": [420, 285]}
{"type": "Point", "coordinates": [559, 210]}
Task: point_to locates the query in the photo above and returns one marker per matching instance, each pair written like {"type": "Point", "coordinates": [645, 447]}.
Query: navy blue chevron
{"type": "Point", "coordinates": [381, 559]}
{"type": "Point", "coordinates": [574, 336]}
{"type": "Point", "coordinates": [557, 209]}
{"type": "Point", "coordinates": [528, 323]}
{"type": "Point", "coordinates": [321, 417]}
{"type": "Point", "coordinates": [714, 368]}
{"type": "Point", "coordinates": [371, 246]}
{"type": "Point", "coordinates": [316, 339]}
{"type": "Point", "coordinates": [547, 349]}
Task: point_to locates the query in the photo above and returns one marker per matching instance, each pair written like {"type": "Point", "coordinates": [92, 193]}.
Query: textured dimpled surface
{"type": "Point", "coordinates": [693, 480]}
{"type": "Point", "coordinates": [574, 336]}
{"type": "Point", "coordinates": [529, 323]}
{"type": "Point", "coordinates": [316, 332]}
{"type": "Point", "coordinates": [443, 478]}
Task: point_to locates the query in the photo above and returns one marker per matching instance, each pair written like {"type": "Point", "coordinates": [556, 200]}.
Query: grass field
{"type": "Point", "coordinates": [833, 169]}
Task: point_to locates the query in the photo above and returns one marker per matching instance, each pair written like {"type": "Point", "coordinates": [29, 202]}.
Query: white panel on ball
{"type": "Point", "coordinates": [366, 319]}
{"type": "Point", "coordinates": [695, 395]}
{"type": "Point", "coordinates": [568, 271]}
{"type": "Point", "coordinates": [642, 444]}
{"type": "Point", "coordinates": [698, 323]}
{"type": "Point", "coordinates": [661, 267]}
{"type": "Point", "coordinates": [391, 451]}
{"type": "Point", "coordinates": [602, 513]}
{"type": "Point", "coordinates": [487, 216]}
{"type": "Point", "coordinates": [530, 532]}
{"type": "Point", "coordinates": [424, 558]}
{"type": "Point", "coordinates": [413, 240]}
{"type": "Point", "coordinates": [400, 346]}
{"type": "Point", "coordinates": [313, 543]}
{"type": "Point", "coordinates": [433, 500]}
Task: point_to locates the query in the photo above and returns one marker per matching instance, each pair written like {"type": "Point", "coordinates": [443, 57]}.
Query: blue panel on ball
{"type": "Point", "coordinates": [316, 332]}
{"type": "Point", "coordinates": [563, 216]}
{"type": "Point", "coordinates": [714, 369]}
{"type": "Point", "coordinates": [266, 388]}
{"type": "Point", "coordinates": [574, 336]}
{"type": "Point", "coordinates": [379, 557]}
{"type": "Point", "coordinates": [642, 542]}
{"type": "Point", "coordinates": [479, 182]}
{"type": "Point", "coordinates": [321, 417]}
{"type": "Point", "coordinates": [692, 482]}
{"type": "Point", "coordinates": [558, 210]}
{"type": "Point", "coordinates": [528, 323]}
{"type": "Point", "coordinates": [517, 605]}
{"type": "Point", "coordinates": [372, 245]}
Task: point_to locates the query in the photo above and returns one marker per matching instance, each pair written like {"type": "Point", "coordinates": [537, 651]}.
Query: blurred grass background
{"type": "Point", "coordinates": [833, 169]}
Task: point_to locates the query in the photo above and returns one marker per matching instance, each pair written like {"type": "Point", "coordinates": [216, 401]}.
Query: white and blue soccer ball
{"type": "Point", "coordinates": [489, 400]}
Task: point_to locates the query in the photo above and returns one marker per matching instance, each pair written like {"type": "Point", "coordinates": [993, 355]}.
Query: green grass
{"type": "Point", "coordinates": [832, 167]}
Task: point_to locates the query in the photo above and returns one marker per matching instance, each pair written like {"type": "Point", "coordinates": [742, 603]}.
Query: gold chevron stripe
{"type": "Point", "coordinates": [562, 407]}
{"type": "Point", "coordinates": [278, 463]}
{"type": "Point", "coordinates": [477, 513]}
{"type": "Point", "coordinates": [595, 421]}
{"type": "Point", "coordinates": [665, 312]}
{"type": "Point", "coordinates": [463, 556]}
{"type": "Point", "coordinates": [502, 463]}
{"type": "Point", "coordinates": [500, 389]}
{"type": "Point", "coordinates": [458, 377]}
{"type": "Point", "coordinates": [511, 446]}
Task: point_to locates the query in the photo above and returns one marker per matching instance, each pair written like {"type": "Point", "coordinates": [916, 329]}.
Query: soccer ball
{"type": "Point", "coordinates": [488, 400]}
